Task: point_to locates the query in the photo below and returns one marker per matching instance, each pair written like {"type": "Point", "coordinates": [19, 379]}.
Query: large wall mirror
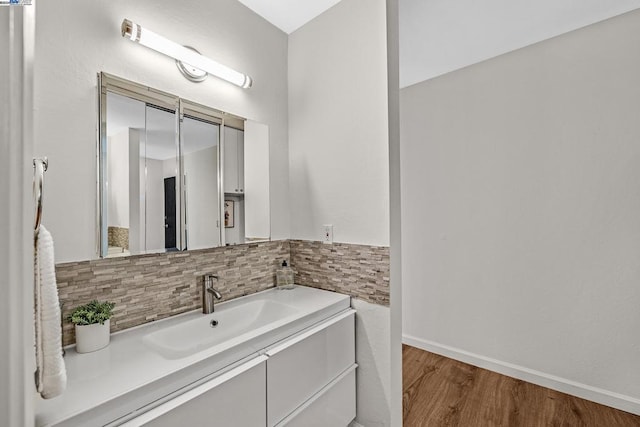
{"type": "Point", "coordinates": [175, 175]}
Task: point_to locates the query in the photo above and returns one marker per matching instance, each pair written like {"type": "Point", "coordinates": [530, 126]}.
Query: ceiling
{"type": "Point", "coordinates": [289, 15]}
{"type": "Point", "coordinates": [439, 36]}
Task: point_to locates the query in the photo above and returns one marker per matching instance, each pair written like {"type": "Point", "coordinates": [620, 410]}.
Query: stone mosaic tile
{"type": "Point", "coordinates": [151, 287]}
{"type": "Point", "coordinates": [118, 237]}
{"type": "Point", "coordinates": [357, 270]}
{"type": "Point", "coordinates": [156, 286]}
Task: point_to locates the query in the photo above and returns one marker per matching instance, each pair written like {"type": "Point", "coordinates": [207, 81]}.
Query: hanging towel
{"type": "Point", "coordinates": [51, 373]}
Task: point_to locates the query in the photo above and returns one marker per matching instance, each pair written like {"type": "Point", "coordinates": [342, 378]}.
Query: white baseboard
{"type": "Point", "coordinates": [594, 394]}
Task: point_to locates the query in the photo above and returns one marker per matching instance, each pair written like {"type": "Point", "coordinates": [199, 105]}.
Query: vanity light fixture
{"type": "Point", "coordinates": [190, 62]}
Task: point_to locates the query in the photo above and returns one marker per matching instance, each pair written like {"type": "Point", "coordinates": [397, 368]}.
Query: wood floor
{"type": "Point", "coordinates": [438, 391]}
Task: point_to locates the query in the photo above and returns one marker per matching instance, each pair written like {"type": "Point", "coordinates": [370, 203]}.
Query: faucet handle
{"type": "Point", "coordinates": [210, 277]}
{"type": "Point", "coordinates": [208, 280]}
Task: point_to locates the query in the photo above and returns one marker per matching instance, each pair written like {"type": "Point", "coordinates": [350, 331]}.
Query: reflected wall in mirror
{"type": "Point", "coordinates": [201, 142]}
{"type": "Point", "coordinates": [140, 177]}
{"type": "Point", "coordinates": [166, 168]}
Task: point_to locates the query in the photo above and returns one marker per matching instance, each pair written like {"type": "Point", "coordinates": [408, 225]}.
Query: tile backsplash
{"type": "Point", "coordinates": [357, 270]}
{"type": "Point", "coordinates": [118, 237]}
{"type": "Point", "coordinates": [152, 287]}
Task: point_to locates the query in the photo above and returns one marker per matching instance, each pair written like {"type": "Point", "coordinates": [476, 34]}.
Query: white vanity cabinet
{"type": "Point", "coordinates": [294, 366]}
{"type": "Point", "coordinates": [233, 161]}
{"type": "Point", "coordinates": [307, 380]}
{"type": "Point", "coordinates": [311, 377]}
{"type": "Point", "coordinates": [236, 398]}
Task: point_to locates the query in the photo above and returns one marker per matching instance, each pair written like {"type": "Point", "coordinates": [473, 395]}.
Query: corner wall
{"type": "Point", "coordinates": [338, 151]}
{"type": "Point", "coordinates": [520, 213]}
{"type": "Point", "coordinates": [339, 162]}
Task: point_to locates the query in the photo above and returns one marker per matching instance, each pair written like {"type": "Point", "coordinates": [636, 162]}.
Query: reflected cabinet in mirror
{"type": "Point", "coordinates": [175, 175]}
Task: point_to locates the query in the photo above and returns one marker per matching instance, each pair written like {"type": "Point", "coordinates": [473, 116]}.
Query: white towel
{"type": "Point", "coordinates": [52, 375]}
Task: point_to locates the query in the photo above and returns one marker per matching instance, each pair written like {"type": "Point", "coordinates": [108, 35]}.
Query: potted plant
{"type": "Point", "coordinates": [92, 325]}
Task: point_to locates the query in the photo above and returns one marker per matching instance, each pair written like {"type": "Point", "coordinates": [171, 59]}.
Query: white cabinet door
{"type": "Point", "coordinates": [233, 161]}
{"type": "Point", "coordinates": [256, 181]}
{"type": "Point", "coordinates": [230, 160]}
{"type": "Point", "coordinates": [302, 366]}
{"type": "Point", "coordinates": [334, 406]}
{"type": "Point", "coordinates": [236, 398]}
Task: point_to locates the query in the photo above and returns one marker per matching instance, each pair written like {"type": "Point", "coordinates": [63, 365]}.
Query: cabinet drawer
{"type": "Point", "coordinates": [334, 406]}
{"type": "Point", "coordinates": [236, 398]}
{"type": "Point", "coordinates": [301, 367]}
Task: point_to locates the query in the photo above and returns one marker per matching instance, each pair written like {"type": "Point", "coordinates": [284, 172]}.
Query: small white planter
{"type": "Point", "coordinates": [92, 337]}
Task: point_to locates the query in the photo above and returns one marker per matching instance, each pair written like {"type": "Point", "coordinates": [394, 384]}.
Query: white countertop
{"type": "Point", "coordinates": [128, 375]}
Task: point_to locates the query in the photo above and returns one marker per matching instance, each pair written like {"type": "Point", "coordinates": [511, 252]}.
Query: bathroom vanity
{"type": "Point", "coordinates": [275, 358]}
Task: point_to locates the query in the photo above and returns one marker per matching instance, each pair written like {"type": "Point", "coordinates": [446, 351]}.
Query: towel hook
{"type": "Point", "coordinates": [40, 165]}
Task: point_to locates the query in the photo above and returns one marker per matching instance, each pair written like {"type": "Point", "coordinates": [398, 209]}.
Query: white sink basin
{"type": "Point", "coordinates": [220, 327]}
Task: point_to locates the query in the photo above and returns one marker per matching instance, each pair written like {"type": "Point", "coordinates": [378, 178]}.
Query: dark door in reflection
{"type": "Point", "coordinates": [170, 213]}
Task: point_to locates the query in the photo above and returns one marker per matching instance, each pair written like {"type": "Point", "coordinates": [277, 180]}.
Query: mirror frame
{"type": "Point", "coordinates": [181, 107]}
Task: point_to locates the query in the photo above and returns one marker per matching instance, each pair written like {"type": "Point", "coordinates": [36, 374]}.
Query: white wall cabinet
{"type": "Point", "coordinates": [307, 380]}
{"type": "Point", "coordinates": [233, 161]}
{"type": "Point", "coordinates": [256, 181]}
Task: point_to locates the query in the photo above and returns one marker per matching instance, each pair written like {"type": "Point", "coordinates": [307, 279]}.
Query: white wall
{"type": "Point", "coordinates": [76, 39]}
{"type": "Point", "coordinates": [136, 191]}
{"type": "Point", "coordinates": [339, 162]}
{"type": "Point", "coordinates": [154, 203]}
{"type": "Point", "coordinates": [17, 361]}
{"type": "Point", "coordinates": [118, 179]}
{"type": "Point", "coordinates": [202, 198]}
{"type": "Point", "coordinates": [338, 125]}
{"type": "Point", "coordinates": [395, 232]}
{"type": "Point", "coordinates": [520, 213]}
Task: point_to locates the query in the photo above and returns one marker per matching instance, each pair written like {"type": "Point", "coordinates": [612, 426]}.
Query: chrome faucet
{"type": "Point", "coordinates": [208, 293]}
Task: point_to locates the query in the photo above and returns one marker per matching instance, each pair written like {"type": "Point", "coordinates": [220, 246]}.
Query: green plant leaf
{"type": "Point", "coordinates": [92, 313]}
